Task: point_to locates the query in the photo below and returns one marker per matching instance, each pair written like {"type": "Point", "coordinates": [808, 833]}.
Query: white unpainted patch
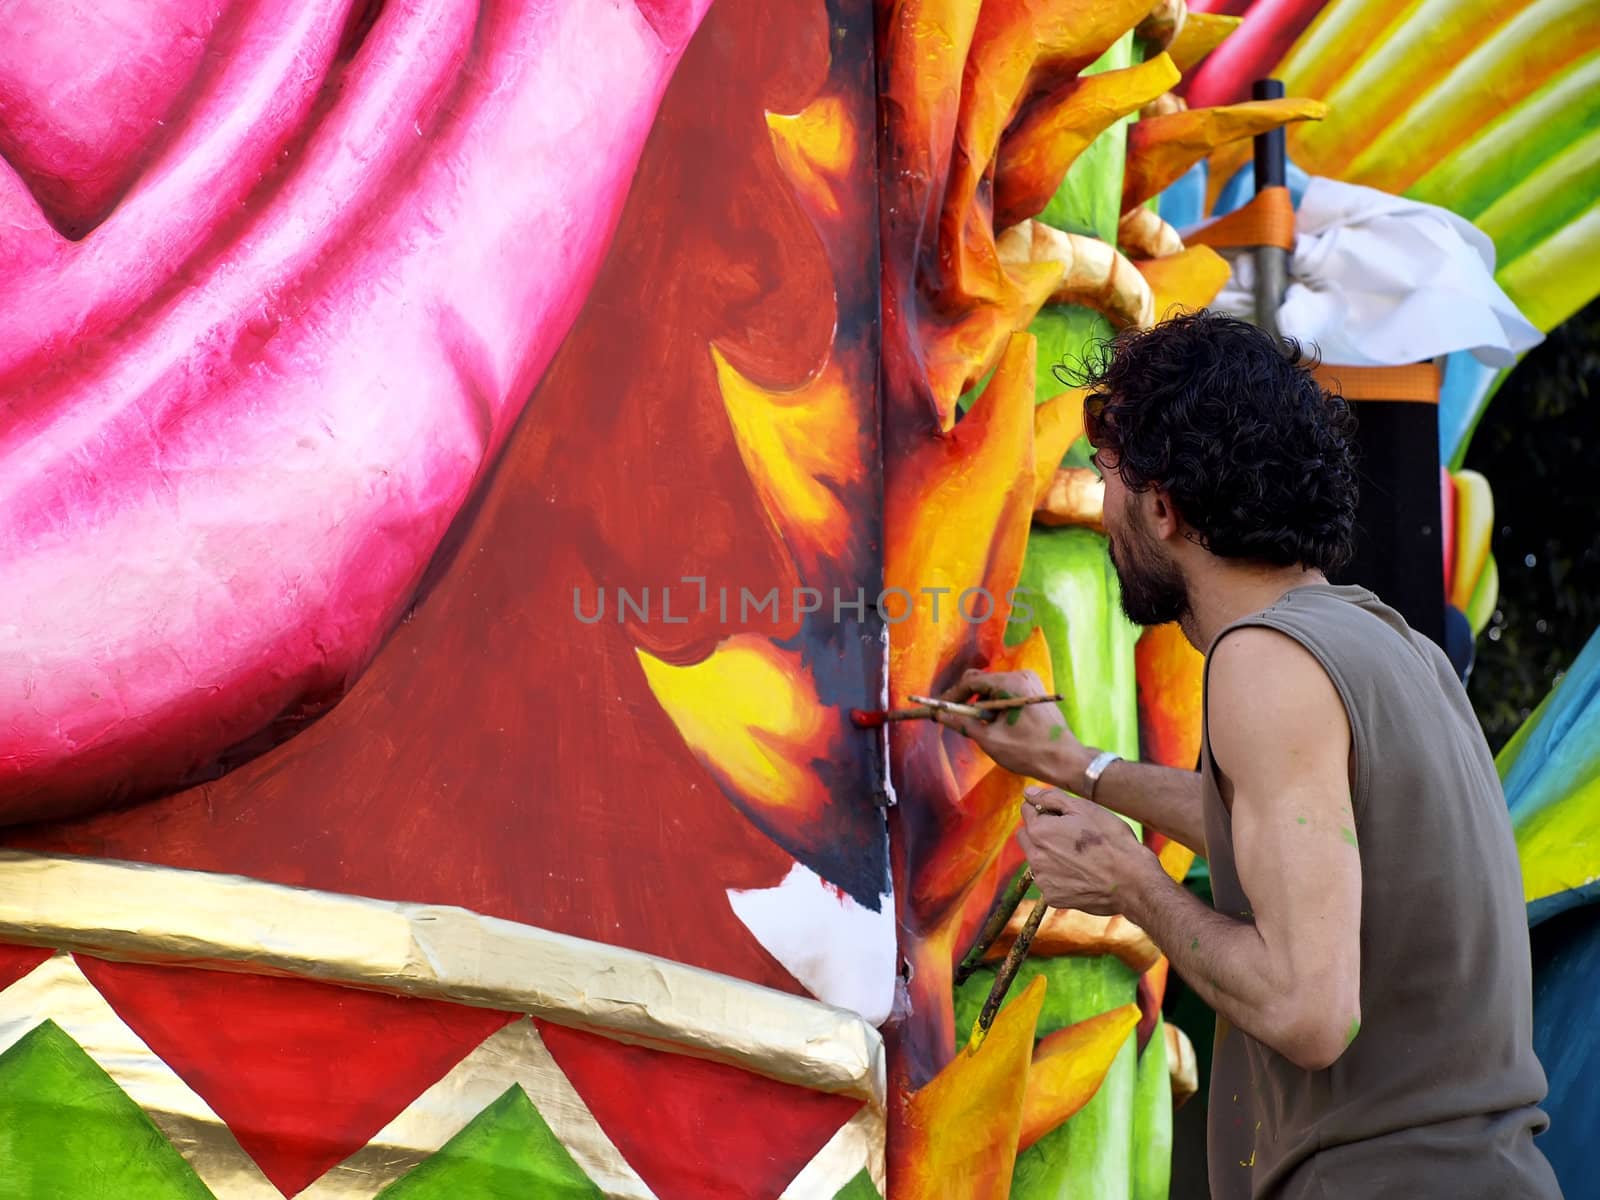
{"type": "Point", "coordinates": [841, 951]}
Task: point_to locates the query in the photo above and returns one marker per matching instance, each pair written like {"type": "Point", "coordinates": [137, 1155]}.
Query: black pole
{"type": "Point", "coordinates": [1272, 170]}
{"type": "Point", "coordinates": [1272, 150]}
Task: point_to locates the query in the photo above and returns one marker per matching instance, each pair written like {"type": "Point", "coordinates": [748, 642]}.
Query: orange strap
{"type": "Point", "coordinates": [1268, 220]}
{"type": "Point", "coordinates": [1417, 382]}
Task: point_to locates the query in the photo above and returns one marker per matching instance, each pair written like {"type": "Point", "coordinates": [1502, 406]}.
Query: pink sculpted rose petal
{"type": "Point", "coordinates": [221, 481]}
{"type": "Point", "coordinates": [86, 89]}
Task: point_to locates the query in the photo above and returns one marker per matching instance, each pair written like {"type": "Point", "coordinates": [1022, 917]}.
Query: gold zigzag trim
{"type": "Point", "coordinates": [139, 913]}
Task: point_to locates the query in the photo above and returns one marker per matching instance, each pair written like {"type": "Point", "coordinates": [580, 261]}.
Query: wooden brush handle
{"type": "Point", "coordinates": [1016, 702]}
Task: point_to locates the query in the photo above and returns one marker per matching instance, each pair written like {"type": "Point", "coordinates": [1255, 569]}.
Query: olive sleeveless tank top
{"type": "Point", "coordinates": [1438, 1094]}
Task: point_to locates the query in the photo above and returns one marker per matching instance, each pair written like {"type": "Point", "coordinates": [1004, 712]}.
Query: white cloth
{"type": "Point", "coordinates": [1379, 280]}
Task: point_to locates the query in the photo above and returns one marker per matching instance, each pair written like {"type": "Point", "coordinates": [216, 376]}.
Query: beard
{"type": "Point", "coordinates": [1153, 588]}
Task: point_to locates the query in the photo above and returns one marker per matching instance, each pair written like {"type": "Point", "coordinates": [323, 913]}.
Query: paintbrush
{"type": "Point", "coordinates": [926, 706]}
{"type": "Point", "coordinates": [1010, 900]}
{"type": "Point", "coordinates": [1005, 976]}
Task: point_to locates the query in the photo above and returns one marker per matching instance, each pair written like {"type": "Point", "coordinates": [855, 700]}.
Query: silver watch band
{"type": "Point", "coordinates": [1096, 769]}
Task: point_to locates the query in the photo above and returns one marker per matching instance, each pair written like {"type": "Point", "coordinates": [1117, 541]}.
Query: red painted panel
{"type": "Point", "coordinates": [499, 754]}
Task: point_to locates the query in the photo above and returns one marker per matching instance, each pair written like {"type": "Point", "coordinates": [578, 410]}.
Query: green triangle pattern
{"type": "Point", "coordinates": [67, 1129]}
{"type": "Point", "coordinates": [506, 1152]}
{"type": "Point", "coordinates": [859, 1188]}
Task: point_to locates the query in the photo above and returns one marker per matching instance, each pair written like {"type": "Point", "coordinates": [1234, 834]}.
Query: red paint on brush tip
{"type": "Point", "coordinates": [864, 719]}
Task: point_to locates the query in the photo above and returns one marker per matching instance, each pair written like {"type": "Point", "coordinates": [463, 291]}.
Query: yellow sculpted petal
{"type": "Point", "coordinates": [1069, 1067]}
{"type": "Point", "coordinates": [1185, 281]}
{"type": "Point", "coordinates": [959, 1137]}
{"type": "Point", "coordinates": [1163, 148]}
{"type": "Point", "coordinates": [1201, 34]}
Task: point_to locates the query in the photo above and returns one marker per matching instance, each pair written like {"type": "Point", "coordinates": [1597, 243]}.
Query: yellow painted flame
{"type": "Point", "coordinates": [798, 446]}
{"type": "Point", "coordinates": [816, 148]}
{"type": "Point", "coordinates": [750, 712]}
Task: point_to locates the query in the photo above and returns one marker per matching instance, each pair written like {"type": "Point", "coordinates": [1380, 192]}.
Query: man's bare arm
{"type": "Point", "coordinates": [1287, 972]}
{"type": "Point", "coordinates": [1280, 737]}
{"type": "Point", "coordinates": [1164, 798]}
{"type": "Point", "coordinates": [1037, 743]}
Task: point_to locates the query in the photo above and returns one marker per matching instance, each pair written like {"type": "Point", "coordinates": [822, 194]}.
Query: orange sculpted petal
{"type": "Point", "coordinates": [958, 1140]}
{"type": "Point", "coordinates": [1073, 33]}
{"type": "Point", "coordinates": [1056, 128]}
{"type": "Point", "coordinates": [1169, 672]}
{"type": "Point", "coordinates": [1068, 1068]}
{"type": "Point", "coordinates": [1163, 148]}
{"type": "Point", "coordinates": [1014, 47]}
{"type": "Point", "coordinates": [1004, 47]}
{"type": "Point", "coordinates": [1057, 423]}
{"type": "Point", "coordinates": [953, 506]}
{"type": "Point", "coordinates": [1152, 990]}
{"type": "Point", "coordinates": [963, 349]}
{"type": "Point", "coordinates": [1201, 34]}
{"type": "Point", "coordinates": [924, 49]}
{"type": "Point", "coordinates": [968, 841]}
{"type": "Point", "coordinates": [1185, 281]}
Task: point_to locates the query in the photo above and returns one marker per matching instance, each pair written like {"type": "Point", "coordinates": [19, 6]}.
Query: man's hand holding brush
{"type": "Point", "coordinates": [1081, 856]}
{"type": "Point", "coordinates": [1035, 742]}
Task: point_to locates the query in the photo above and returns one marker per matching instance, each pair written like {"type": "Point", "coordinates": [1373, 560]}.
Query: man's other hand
{"type": "Point", "coordinates": [1082, 856]}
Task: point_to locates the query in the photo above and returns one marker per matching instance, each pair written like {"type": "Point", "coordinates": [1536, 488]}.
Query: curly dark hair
{"type": "Point", "coordinates": [1230, 421]}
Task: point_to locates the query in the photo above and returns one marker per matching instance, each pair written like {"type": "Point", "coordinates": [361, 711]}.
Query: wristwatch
{"type": "Point", "coordinates": [1096, 769]}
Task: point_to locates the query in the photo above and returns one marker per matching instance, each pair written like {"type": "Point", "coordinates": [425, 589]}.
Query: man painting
{"type": "Point", "coordinates": [1368, 954]}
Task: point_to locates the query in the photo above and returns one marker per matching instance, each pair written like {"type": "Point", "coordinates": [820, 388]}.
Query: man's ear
{"type": "Point", "coordinates": [1165, 523]}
